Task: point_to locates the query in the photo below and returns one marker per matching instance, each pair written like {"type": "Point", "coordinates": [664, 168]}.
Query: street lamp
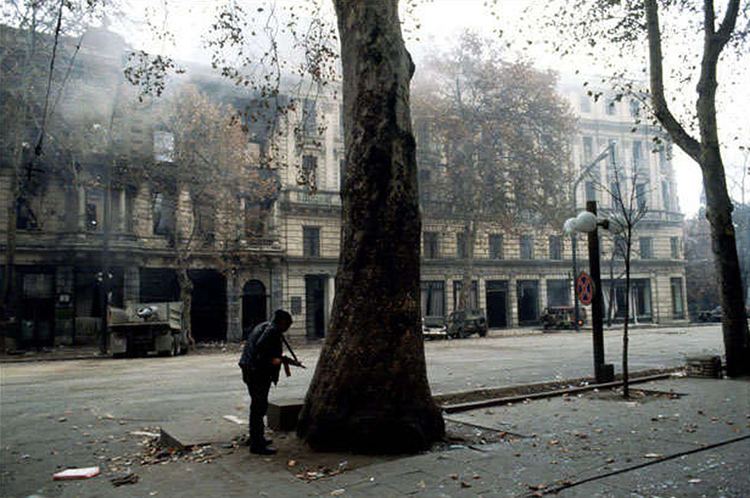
{"type": "Point", "coordinates": [607, 152]}
{"type": "Point", "coordinates": [587, 222]}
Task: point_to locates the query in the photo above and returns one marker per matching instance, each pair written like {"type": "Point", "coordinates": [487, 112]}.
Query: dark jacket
{"type": "Point", "coordinates": [262, 345]}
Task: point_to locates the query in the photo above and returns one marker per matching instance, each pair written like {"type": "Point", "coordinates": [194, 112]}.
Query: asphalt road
{"type": "Point", "coordinates": [69, 413]}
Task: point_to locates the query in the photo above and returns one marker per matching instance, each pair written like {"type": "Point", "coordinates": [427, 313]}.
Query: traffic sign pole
{"type": "Point", "coordinates": [601, 372]}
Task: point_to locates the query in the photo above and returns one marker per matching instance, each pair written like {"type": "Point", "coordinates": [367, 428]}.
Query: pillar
{"type": "Point", "coordinates": [234, 308]}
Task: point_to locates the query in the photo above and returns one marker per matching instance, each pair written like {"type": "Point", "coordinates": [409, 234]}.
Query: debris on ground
{"type": "Point", "coordinates": [233, 418]}
{"type": "Point", "coordinates": [124, 478]}
{"type": "Point", "coordinates": [77, 473]}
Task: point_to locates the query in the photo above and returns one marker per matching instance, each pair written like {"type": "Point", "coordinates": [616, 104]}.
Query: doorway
{"type": "Point", "coordinates": [253, 304]}
{"type": "Point", "coordinates": [528, 302]}
{"type": "Point", "coordinates": [208, 317]}
{"type": "Point", "coordinates": [497, 303]}
{"type": "Point", "coordinates": [315, 304]}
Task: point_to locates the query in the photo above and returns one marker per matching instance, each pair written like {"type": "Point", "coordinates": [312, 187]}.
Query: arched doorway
{"type": "Point", "coordinates": [253, 304]}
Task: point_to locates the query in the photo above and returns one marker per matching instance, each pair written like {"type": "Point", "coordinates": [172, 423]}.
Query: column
{"type": "Point", "coordinates": [512, 302]}
{"type": "Point", "coordinates": [81, 209]}
{"type": "Point", "coordinates": [542, 294]}
{"type": "Point", "coordinates": [122, 206]}
{"type": "Point", "coordinates": [234, 305]}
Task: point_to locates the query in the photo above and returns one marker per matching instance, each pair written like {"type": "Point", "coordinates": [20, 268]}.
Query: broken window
{"type": "Point", "coordinates": [311, 241]}
{"type": "Point", "coordinates": [94, 209]}
{"type": "Point", "coordinates": [308, 171]}
{"type": "Point", "coordinates": [430, 241]}
{"type": "Point", "coordinates": [205, 221]}
{"type": "Point", "coordinates": [164, 214]}
{"type": "Point", "coordinates": [255, 220]}
{"type": "Point", "coordinates": [163, 146]}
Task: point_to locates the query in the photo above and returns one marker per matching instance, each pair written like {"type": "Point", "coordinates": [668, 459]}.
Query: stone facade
{"type": "Point", "coordinates": [240, 277]}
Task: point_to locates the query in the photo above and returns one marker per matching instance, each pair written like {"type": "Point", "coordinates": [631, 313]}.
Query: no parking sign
{"type": "Point", "coordinates": [584, 288]}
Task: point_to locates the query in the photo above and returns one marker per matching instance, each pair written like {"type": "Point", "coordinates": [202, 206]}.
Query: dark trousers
{"type": "Point", "coordinates": [258, 387]}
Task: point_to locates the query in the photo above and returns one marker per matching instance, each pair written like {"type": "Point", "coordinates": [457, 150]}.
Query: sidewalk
{"type": "Point", "coordinates": [675, 437]}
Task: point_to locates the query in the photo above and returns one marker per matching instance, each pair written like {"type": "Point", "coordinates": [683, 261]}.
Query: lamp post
{"type": "Point", "coordinates": [608, 151]}
{"type": "Point", "coordinates": [587, 222]}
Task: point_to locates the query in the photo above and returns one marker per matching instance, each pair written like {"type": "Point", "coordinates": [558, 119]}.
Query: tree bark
{"type": "Point", "coordinates": [370, 392]}
{"type": "Point", "coordinates": [707, 154]}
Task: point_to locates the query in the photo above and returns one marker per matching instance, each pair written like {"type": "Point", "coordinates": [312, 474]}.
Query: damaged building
{"type": "Point", "coordinates": [109, 213]}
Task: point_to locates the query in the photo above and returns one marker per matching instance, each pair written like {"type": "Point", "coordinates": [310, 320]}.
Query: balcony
{"type": "Point", "coordinates": [321, 198]}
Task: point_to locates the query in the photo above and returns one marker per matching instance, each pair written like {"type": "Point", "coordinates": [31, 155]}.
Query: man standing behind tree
{"type": "Point", "coordinates": [260, 363]}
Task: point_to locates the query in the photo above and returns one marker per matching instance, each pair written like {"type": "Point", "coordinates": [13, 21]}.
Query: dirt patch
{"type": "Point", "coordinates": [636, 395]}
{"type": "Point", "coordinates": [507, 392]}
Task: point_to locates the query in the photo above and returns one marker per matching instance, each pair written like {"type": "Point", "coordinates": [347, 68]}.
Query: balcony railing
{"type": "Point", "coordinates": [319, 198]}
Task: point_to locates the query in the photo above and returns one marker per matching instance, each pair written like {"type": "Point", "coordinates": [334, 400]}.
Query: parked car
{"type": "Point", "coordinates": [433, 327]}
{"type": "Point", "coordinates": [562, 317]}
{"type": "Point", "coordinates": [463, 323]}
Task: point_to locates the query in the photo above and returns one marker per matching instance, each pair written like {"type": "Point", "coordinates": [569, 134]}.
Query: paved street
{"type": "Point", "coordinates": [79, 413]}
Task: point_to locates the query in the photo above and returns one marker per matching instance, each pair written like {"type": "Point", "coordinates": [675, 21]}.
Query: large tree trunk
{"type": "Point", "coordinates": [186, 297]}
{"type": "Point", "coordinates": [470, 235]}
{"type": "Point", "coordinates": [370, 391]}
{"type": "Point", "coordinates": [707, 154]}
{"type": "Point", "coordinates": [724, 247]}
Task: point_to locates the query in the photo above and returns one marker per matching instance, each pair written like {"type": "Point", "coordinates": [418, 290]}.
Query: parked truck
{"type": "Point", "coordinates": [143, 328]}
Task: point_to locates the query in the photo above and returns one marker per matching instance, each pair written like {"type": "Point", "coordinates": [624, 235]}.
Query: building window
{"type": "Point", "coordinates": [614, 192]}
{"type": "Point", "coordinates": [431, 248]}
{"type": "Point", "coordinates": [637, 154]}
{"type": "Point", "coordinates": [635, 108]}
{"type": "Point", "coordinates": [619, 246]}
{"type": "Point", "coordinates": [473, 294]}
{"type": "Point", "coordinates": [309, 170]}
{"type": "Point", "coordinates": [640, 195]}
{"type": "Point", "coordinates": [25, 217]}
{"type": "Point", "coordinates": [665, 194]}
{"type": "Point", "coordinates": [555, 247]}
{"type": "Point", "coordinates": [461, 249]}
{"type": "Point", "coordinates": [678, 303]}
{"type": "Point", "coordinates": [585, 103]}
{"type": "Point", "coordinates": [610, 107]}
{"type": "Point", "coordinates": [558, 293]}
{"type": "Point", "coordinates": [433, 298]}
{"type": "Point", "coordinates": [255, 220]}
{"type": "Point", "coordinates": [588, 148]}
{"type": "Point", "coordinates": [311, 241]}
{"type": "Point", "coordinates": [496, 246]}
{"type": "Point", "coordinates": [590, 191]}
{"type": "Point", "coordinates": [647, 247]}
{"type": "Point", "coordinates": [527, 247]}
{"type": "Point", "coordinates": [164, 216]}
{"type": "Point", "coordinates": [163, 146]}
{"type": "Point", "coordinates": [674, 245]}
{"type": "Point", "coordinates": [296, 305]}
{"type": "Point", "coordinates": [309, 117]}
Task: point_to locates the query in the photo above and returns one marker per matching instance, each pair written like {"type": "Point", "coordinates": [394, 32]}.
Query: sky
{"type": "Point", "coordinates": [437, 23]}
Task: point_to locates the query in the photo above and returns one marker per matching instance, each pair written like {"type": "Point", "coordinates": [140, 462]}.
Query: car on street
{"type": "Point", "coordinates": [463, 323]}
{"type": "Point", "coordinates": [562, 317]}
{"type": "Point", "coordinates": [433, 327]}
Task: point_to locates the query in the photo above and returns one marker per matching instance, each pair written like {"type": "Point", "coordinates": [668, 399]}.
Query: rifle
{"type": "Point", "coordinates": [293, 361]}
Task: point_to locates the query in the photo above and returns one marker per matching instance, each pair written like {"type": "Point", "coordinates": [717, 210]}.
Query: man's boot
{"type": "Point", "coordinates": [262, 450]}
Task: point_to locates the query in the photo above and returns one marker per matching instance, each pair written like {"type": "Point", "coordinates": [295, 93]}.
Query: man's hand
{"type": "Point", "coordinates": [276, 361]}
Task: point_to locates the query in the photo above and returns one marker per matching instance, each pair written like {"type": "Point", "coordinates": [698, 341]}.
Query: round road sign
{"type": "Point", "coordinates": [584, 288]}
